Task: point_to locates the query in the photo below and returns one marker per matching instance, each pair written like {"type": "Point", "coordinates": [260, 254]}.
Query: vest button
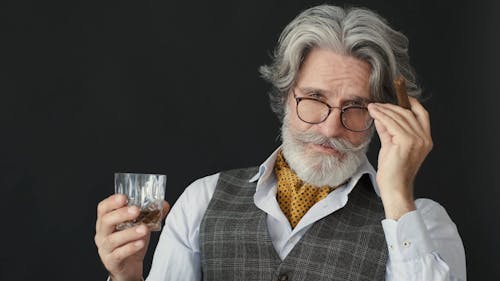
{"type": "Point", "coordinates": [283, 277]}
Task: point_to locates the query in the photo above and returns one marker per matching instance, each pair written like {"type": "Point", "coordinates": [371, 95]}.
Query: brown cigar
{"type": "Point", "coordinates": [400, 86]}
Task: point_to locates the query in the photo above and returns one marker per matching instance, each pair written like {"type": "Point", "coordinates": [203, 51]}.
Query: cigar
{"type": "Point", "coordinates": [402, 96]}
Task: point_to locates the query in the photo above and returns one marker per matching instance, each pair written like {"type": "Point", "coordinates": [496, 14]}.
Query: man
{"type": "Point", "coordinates": [315, 209]}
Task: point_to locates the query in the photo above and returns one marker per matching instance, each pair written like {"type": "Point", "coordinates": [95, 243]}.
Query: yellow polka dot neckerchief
{"type": "Point", "coordinates": [294, 196]}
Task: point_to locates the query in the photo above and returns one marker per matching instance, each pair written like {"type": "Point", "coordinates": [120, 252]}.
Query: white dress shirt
{"type": "Point", "coordinates": [423, 244]}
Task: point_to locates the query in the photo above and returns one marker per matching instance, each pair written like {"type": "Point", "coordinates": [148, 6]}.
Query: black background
{"type": "Point", "coordinates": [91, 88]}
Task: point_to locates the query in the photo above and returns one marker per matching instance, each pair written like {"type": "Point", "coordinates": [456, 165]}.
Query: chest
{"type": "Point", "coordinates": [348, 244]}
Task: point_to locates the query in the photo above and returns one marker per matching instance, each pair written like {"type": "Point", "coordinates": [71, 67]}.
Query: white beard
{"type": "Point", "coordinates": [316, 168]}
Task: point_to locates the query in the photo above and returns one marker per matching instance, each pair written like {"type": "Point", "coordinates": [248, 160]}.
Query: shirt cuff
{"type": "Point", "coordinates": [407, 238]}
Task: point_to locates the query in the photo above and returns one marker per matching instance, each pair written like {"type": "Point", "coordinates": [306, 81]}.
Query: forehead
{"type": "Point", "coordinates": [334, 74]}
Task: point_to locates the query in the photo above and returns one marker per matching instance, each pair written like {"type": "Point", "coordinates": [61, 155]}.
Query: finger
{"type": "Point", "coordinates": [111, 203]}
{"type": "Point", "coordinates": [107, 205]}
{"type": "Point", "coordinates": [120, 238]}
{"type": "Point", "coordinates": [114, 258]}
{"type": "Point", "coordinates": [108, 222]}
{"type": "Point", "coordinates": [421, 114]}
{"type": "Point", "coordinates": [392, 127]}
{"type": "Point", "coordinates": [421, 128]}
{"type": "Point", "coordinates": [404, 117]}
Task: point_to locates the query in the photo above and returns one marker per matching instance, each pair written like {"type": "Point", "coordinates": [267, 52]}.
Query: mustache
{"type": "Point", "coordinates": [338, 144]}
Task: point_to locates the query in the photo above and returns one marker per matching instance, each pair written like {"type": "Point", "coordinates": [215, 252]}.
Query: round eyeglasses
{"type": "Point", "coordinates": [354, 118]}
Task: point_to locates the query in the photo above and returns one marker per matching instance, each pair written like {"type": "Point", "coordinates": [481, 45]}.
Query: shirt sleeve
{"type": "Point", "coordinates": [177, 255]}
{"type": "Point", "coordinates": [424, 245]}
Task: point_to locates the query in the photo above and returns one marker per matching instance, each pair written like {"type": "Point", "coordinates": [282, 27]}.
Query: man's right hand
{"type": "Point", "coordinates": [121, 252]}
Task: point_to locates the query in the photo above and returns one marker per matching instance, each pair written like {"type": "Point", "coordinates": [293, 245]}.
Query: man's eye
{"type": "Point", "coordinates": [315, 95]}
{"type": "Point", "coordinates": [354, 103]}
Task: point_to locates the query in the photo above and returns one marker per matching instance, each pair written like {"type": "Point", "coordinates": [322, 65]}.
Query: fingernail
{"type": "Point", "coordinates": [132, 210]}
{"type": "Point", "coordinates": [139, 243]}
{"type": "Point", "coordinates": [141, 229]}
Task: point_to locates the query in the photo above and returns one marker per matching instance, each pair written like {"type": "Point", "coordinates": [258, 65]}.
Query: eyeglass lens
{"type": "Point", "coordinates": [353, 118]}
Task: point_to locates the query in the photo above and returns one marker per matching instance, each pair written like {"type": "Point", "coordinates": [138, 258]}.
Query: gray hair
{"type": "Point", "coordinates": [355, 32]}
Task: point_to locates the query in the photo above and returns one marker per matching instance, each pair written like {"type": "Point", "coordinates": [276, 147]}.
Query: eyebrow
{"type": "Point", "coordinates": [359, 99]}
{"type": "Point", "coordinates": [324, 93]}
{"type": "Point", "coordinates": [316, 90]}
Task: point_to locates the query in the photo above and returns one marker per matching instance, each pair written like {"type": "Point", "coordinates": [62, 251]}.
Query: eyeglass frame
{"type": "Point", "coordinates": [330, 109]}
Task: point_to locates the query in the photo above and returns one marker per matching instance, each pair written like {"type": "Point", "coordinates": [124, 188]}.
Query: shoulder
{"type": "Point", "coordinates": [242, 175]}
{"type": "Point", "coordinates": [200, 189]}
{"type": "Point", "coordinates": [191, 205]}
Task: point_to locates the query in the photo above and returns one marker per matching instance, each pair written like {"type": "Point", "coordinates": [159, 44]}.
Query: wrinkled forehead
{"type": "Point", "coordinates": [335, 75]}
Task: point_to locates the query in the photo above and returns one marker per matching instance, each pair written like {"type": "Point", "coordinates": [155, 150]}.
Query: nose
{"type": "Point", "coordinates": [332, 126]}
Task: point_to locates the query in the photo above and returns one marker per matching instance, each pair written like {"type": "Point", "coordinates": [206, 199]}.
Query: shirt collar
{"type": "Point", "coordinates": [266, 168]}
{"type": "Point", "coordinates": [266, 171]}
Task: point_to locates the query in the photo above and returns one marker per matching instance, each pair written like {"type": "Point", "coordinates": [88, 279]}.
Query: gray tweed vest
{"type": "Point", "coordinates": [348, 244]}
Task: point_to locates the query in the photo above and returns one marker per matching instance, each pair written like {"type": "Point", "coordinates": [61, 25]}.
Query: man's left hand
{"type": "Point", "coordinates": [405, 137]}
